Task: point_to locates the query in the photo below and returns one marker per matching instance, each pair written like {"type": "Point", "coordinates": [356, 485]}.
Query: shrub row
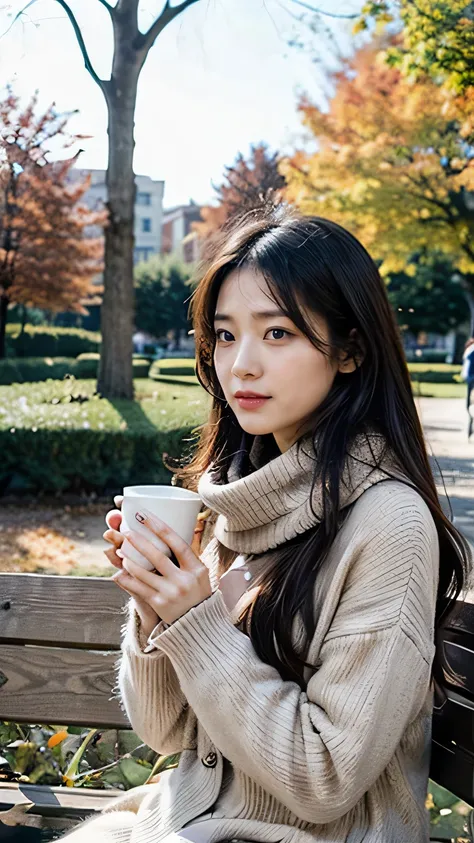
{"type": "Point", "coordinates": [433, 355]}
{"type": "Point", "coordinates": [43, 341]}
{"type": "Point", "coordinates": [434, 373]}
{"type": "Point", "coordinates": [86, 460]}
{"type": "Point", "coordinates": [172, 367]}
{"type": "Point", "coordinates": [32, 370]}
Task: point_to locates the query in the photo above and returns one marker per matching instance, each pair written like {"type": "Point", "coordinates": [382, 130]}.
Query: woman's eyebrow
{"type": "Point", "coordinates": [257, 314]}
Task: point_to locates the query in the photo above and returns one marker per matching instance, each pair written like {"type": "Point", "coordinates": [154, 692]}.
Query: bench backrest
{"type": "Point", "coordinates": [60, 642]}
{"type": "Point", "coordinates": [59, 645]}
{"type": "Point", "coordinates": [452, 750]}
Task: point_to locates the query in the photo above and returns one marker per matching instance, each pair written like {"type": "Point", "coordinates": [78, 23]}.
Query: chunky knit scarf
{"type": "Point", "coordinates": [274, 502]}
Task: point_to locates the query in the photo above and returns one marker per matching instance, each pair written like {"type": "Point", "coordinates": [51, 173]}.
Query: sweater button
{"type": "Point", "coordinates": [210, 760]}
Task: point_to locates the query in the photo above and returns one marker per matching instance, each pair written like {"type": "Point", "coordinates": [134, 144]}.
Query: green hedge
{"type": "Point", "coordinates": [177, 366]}
{"type": "Point", "coordinates": [33, 370]}
{"type": "Point", "coordinates": [433, 355]}
{"type": "Point", "coordinates": [43, 341]}
{"type": "Point", "coordinates": [434, 372]}
{"type": "Point", "coordinates": [86, 460]}
{"type": "Point", "coordinates": [61, 435]}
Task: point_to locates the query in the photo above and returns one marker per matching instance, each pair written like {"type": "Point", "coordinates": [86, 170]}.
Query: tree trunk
{"type": "Point", "coordinates": [118, 313]}
{"type": "Point", "coordinates": [21, 336]}
{"type": "Point", "coordinates": [3, 324]}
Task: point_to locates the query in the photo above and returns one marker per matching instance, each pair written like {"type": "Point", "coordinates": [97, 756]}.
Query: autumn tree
{"type": "Point", "coordinates": [47, 259]}
{"type": "Point", "coordinates": [390, 165]}
{"type": "Point", "coordinates": [130, 50]}
{"type": "Point", "coordinates": [162, 291]}
{"type": "Point", "coordinates": [430, 298]}
{"type": "Point", "coordinates": [248, 184]}
{"type": "Point", "coordinates": [438, 38]}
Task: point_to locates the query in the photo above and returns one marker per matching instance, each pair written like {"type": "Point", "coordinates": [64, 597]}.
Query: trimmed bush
{"type": "Point", "coordinates": [33, 369]}
{"type": "Point", "coordinates": [433, 355]}
{"type": "Point", "coordinates": [180, 366]}
{"type": "Point", "coordinates": [88, 366]}
{"type": "Point", "coordinates": [44, 341]}
{"type": "Point", "coordinates": [435, 373]}
{"type": "Point", "coordinates": [86, 460]}
{"type": "Point", "coordinates": [60, 435]}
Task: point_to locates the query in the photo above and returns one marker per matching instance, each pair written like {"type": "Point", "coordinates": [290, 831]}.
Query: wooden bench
{"type": "Point", "coordinates": [59, 643]}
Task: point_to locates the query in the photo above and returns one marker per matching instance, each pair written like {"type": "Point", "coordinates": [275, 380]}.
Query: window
{"type": "Point", "coordinates": [142, 254]}
{"type": "Point", "coordinates": [143, 198]}
{"type": "Point", "coordinates": [146, 224]}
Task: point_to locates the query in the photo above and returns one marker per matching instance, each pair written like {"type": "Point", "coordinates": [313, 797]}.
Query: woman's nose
{"type": "Point", "coordinates": [246, 365]}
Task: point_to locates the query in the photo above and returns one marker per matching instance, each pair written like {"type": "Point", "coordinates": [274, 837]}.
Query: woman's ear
{"type": "Point", "coordinates": [352, 358]}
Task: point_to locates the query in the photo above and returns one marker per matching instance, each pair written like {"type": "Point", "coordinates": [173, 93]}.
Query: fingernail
{"type": "Point", "coordinates": [141, 518]}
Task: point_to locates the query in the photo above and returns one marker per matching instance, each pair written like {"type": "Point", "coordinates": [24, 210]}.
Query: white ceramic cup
{"type": "Point", "coordinates": [177, 507]}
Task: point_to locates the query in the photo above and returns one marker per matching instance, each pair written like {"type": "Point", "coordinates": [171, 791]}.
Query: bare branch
{"type": "Point", "coordinates": [311, 8]}
{"type": "Point", "coordinates": [168, 14]}
{"type": "Point", "coordinates": [77, 31]}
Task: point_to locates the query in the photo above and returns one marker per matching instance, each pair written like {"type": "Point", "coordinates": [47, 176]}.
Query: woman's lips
{"type": "Point", "coordinates": [252, 403]}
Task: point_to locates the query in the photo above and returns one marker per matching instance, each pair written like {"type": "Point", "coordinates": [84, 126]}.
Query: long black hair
{"type": "Point", "coordinates": [308, 260]}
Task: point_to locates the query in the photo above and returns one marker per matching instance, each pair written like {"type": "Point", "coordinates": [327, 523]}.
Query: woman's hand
{"type": "Point", "coordinates": [148, 617]}
{"type": "Point", "coordinates": [178, 589]}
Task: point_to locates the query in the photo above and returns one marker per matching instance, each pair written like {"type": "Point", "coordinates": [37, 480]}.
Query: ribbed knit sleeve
{"type": "Point", "coordinates": [319, 750]}
{"type": "Point", "coordinates": [151, 694]}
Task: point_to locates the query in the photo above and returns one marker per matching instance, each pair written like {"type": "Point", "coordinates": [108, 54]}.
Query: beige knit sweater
{"type": "Point", "coordinates": [347, 758]}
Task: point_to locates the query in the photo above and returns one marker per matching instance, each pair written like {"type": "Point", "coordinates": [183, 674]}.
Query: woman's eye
{"type": "Point", "coordinates": [221, 331]}
{"type": "Point", "coordinates": [271, 331]}
{"type": "Point", "coordinates": [278, 331]}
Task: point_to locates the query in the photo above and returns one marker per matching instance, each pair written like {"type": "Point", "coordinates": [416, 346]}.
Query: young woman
{"type": "Point", "coordinates": [291, 662]}
{"type": "Point", "coordinates": [467, 375]}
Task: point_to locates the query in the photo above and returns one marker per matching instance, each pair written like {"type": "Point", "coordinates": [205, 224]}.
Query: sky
{"type": "Point", "coordinates": [220, 77]}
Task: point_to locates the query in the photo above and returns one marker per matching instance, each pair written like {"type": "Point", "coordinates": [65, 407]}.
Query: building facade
{"type": "Point", "coordinates": [148, 209]}
{"type": "Point", "coordinates": [177, 236]}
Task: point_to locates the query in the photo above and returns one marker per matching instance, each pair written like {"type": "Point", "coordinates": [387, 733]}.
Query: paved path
{"type": "Point", "coordinates": [452, 457]}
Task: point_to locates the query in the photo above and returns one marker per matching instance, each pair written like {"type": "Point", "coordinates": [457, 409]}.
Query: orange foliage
{"type": "Point", "coordinates": [48, 257]}
{"type": "Point", "coordinates": [248, 185]}
{"type": "Point", "coordinates": [391, 163]}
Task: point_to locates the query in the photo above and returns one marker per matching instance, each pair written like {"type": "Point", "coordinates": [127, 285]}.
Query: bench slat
{"type": "Point", "coordinates": [60, 686]}
{"type": "Point", "coordinates": [46, 798]}
{"type": "Point", "coordinates": [68, 611]}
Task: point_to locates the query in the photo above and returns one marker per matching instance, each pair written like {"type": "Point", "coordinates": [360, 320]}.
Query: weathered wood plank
{"type": "Point", "coordinates": [69, 611]}
{"type": "Point", "coordinates": [55, 685]}
{"type": "Point", "coordinates": [46, 798]}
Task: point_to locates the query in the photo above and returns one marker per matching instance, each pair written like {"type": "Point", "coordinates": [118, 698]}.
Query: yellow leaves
{"type": "Point", "coordinates": [391, 265]}
{"type": "Point", "coordinates": [381, 160]}
{"type": "Point", "coordinates": [360, 26]}
{"type": "Point", "coordinates": [57, 738]}
{"type": "Point", "coordinates": [410, 270]}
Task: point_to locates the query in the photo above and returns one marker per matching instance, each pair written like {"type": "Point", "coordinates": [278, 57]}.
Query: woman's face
{"type": "Point", "coordinates": [268, 355]}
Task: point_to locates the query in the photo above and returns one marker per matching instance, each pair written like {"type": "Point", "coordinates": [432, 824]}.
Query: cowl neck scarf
{"type": "Point", "coordinates": [272, 504]}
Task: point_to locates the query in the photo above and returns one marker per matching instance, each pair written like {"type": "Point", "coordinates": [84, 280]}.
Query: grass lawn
{"type": "Point", "coordinates": [439, 390]}
{"type": "Point", "coordinates": [72, 404]}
